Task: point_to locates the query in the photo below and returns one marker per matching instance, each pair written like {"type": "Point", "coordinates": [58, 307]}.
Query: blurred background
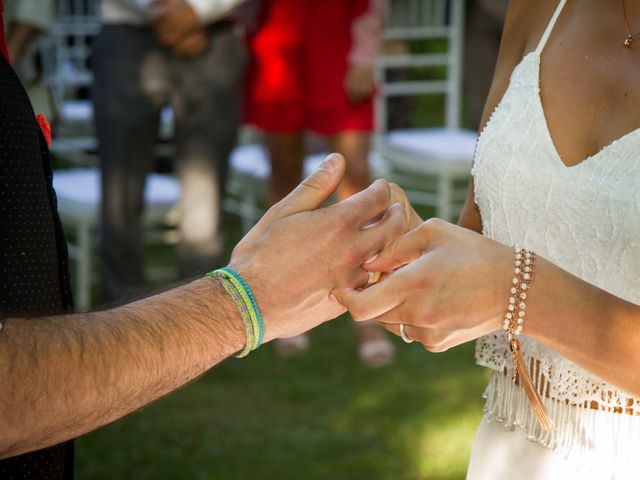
{"type": "Point", "coordinates": [177, 123]}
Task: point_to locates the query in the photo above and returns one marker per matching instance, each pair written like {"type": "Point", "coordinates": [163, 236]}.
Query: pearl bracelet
{"type": "Point", "coordinates": [513, 325]}
{"type": "Point", "coordinates": [524, 265]}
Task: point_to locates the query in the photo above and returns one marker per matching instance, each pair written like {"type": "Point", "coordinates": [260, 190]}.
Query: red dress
{"type": "Point", "coordinates": [3, 42]}
{"type": "Point", "coordinates": [300, 57]}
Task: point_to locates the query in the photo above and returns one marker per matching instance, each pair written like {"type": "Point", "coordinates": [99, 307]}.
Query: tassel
{"type": "Point", "coordinates": [521, 372]}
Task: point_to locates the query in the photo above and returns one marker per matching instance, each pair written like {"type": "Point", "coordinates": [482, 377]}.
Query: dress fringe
{"type": "Point", "coordinates": [590, 439]}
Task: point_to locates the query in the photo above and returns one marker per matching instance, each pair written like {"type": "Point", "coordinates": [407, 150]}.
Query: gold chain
{"type": "Point", "coordinates": [630, 37]}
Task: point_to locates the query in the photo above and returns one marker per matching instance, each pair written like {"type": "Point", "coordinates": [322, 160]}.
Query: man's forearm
{"type": "Point", "coordinates": [67, 375]}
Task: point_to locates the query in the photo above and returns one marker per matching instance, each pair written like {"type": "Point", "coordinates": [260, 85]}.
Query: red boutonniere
{"type": "Point", "coordinates": [45, 127]}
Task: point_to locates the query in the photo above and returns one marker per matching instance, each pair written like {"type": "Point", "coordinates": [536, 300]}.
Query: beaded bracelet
{"type": "Point", "coordinates": [524, 265]}
{"type": "Point", "coordinates": [242, 296]}
{"type": "Point", "coordinates": [513, 325]}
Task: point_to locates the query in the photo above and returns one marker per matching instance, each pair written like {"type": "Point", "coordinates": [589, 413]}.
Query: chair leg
{"type": "Point", "coordinates": [444, 208]}
{"type": "Point", "coordinates": [248, 212]}
{"type": "Point", "coordinates": [83, 269]}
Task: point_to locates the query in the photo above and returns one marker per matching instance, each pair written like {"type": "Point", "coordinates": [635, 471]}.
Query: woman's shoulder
{"type": "Point", "coordinates": [526, 22]}
{"type": "Point", "coordinates": [524, 26]}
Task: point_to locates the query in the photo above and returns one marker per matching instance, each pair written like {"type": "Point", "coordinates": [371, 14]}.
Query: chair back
{"type": "Point", "coordinates": [67, 49]}
{"type": "Point", "coordinates": [428, 38]}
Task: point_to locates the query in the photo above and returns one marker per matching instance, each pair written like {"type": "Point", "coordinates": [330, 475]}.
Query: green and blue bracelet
{"type": "Point", "coordinates": [242, 296]}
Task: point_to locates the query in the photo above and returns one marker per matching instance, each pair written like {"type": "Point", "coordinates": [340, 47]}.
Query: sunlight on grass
{"type": "Point", "coordinates": [441, 448]}
{"type": "Point", "coordinates": [318, 416]}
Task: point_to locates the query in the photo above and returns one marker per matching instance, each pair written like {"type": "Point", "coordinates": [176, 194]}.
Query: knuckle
{"type": "Point", "coordinates": [342, 220]}
{"type": "Point", "coordinates": [434, 223]}
{"type": "Point", "coordinates": [275, 210]}
{"type": "Point", "coordinates": [381, 189]}
{"type": "Point", "coordinates": [352, 257]}
{"type": "Point", "coordinates": [432, 341]}
{"type": "Point", "coordinates": [357, 313]}
{"type": "Point", "coordinates": [381, 183]}
{"type": "Point", "coordinates": [394, 258]}
{"type": "Point", "coordinates": [272, 214]}
{"type": "Point", "coordinates": [397, 192]}
{"type": "Point", "coordinates": [417, 288]}
{"type": "Point", "coordinates": [436, 348]}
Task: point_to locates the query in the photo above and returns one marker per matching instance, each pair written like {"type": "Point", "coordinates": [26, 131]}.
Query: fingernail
{"type": "Point", "coordinates": [329, 163]}
{"type": "Point", "coordinates": [371, 259]}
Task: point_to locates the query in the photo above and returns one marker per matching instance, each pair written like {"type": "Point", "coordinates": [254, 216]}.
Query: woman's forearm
{"type": "Point", "coordinates": [450, 285]}
{"type": "Point", "coordinates": [587, 325]}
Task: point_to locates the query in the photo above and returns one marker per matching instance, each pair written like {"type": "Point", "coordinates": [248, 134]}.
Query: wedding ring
{"type": "Point", "coordinates": [403, 334]}
{"type": "Point", "coordinates": [372, 278]}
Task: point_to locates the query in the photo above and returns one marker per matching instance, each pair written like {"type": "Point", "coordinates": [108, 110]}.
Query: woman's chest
{"type": "Point", "coordinates": [584, 218]}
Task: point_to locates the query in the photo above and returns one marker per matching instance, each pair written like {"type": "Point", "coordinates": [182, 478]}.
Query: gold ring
{"type": "Point", "coordinates": [403, 334]}
{"type": "Point", "coordinates": [373, 278]}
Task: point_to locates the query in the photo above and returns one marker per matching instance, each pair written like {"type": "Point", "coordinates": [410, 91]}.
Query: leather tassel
{"type": "Point", "coordinates": [521, 373]}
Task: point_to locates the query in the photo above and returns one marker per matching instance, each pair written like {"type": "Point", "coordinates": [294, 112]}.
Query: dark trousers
{"type": "Point", "coordinates": [135, 77]}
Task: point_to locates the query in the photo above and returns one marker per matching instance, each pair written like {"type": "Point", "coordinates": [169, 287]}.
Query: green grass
{"type": "Point", "coordinates": [322, 415]}
{"type": "Point", "coordinates": [318, 416]}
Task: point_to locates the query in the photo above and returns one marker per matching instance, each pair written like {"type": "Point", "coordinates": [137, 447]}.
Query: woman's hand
{"type": "Point", "coordinates": [359, 83]}
{"type": "Point", "coordinates": [448, 285]}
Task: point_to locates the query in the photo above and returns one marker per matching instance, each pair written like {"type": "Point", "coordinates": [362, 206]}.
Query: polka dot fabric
{"type": "Point", "coordinates": [34, 277]}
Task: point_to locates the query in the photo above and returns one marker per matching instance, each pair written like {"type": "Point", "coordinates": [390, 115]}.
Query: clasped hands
{"type": "Point", "coordinates": [177, 27]}
{"type": "Point", "coordinates": [307, 264]}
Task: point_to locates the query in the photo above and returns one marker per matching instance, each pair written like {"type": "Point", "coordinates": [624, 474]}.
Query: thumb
{"type": "Point", "coordinates": [316, 188]}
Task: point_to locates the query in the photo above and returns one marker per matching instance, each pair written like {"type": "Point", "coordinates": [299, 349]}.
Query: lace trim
{"type": "Point", "coordinates": [588, 438]}
{"type": "Point", "coordinates": [556, 377]}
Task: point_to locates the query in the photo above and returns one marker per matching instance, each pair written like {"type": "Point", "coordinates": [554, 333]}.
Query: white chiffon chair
{"type": "Point", "coordinates": [78, 192]}
{"type": "Point", "coordinates": [249, 171]}
{"type": "Point", "coordinates": [432, 164]}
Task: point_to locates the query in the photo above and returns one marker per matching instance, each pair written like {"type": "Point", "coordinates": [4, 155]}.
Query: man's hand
{"type": "Point", "coordinates": [359, 83]}
{"type": "Point", "coordinates": [115, 361]}
{"type": "Point", "coordinates": [174, 21]}
{"type": "Point", "coordinates": [192, 45]}
{"type": "Point", "coordinates": [299, 252]}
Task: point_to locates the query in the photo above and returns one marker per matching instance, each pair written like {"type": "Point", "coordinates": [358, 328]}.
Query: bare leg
{"type": "Point", "coordinates": [286, 151]}
{"type": "Point", "coordinates": [375, 348]}
{"type": "Point", "coordinates": [354, 146]}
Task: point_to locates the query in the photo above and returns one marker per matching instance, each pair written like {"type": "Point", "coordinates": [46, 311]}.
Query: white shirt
{"type": "Point", "coordinates": [138, 12]}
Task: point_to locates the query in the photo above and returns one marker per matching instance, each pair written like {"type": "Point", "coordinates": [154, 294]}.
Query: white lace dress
{"type": "Point", "coordinates": [585, 219]}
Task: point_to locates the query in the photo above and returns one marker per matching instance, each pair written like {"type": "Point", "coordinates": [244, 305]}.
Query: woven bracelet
{"type": "Point", "coordinates": [241, 295]}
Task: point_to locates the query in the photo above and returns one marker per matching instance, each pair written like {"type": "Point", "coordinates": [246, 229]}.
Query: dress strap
{"type": "Point", "coordinates": [552, 23]}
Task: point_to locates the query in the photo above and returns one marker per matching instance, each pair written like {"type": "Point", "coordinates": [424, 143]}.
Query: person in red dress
{"type": "Point", "coordinates": [3, 43]}
{"type": "Point", "coordinates": [313, 70]}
